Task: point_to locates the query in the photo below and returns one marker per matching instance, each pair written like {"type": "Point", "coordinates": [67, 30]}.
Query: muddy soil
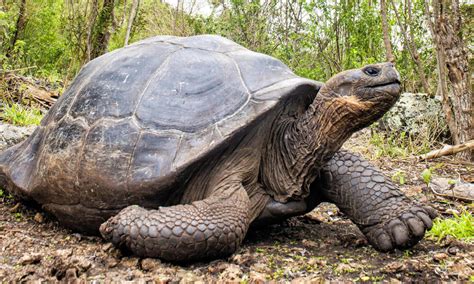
{"type": "Point", "coordinates": [320, 246]}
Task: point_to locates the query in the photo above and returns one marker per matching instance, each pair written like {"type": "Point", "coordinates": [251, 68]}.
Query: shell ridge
{"type": "Point", "coordinates": [132, 155]}
{"type": "Point", "coordinates": [30, 181]}
{"type": "Point", "coordinates": [283, 83]}
{"type": "Point", "coordinates": [249, 94]}
{"type": "Point", "coordinates": [173, 164]}
{"type": "Point", "coordinates": [147, 85]}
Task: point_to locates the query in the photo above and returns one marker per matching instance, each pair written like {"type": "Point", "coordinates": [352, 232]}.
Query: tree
{"type": "Point", "coordinates": [19, 27]}
{"type": "Point", "coordinates": [131, 18]}
{"type": "Point", "coordinates": [410, 43]}
{"type": "Point", "coordinates": [102, 29]}
{"type": "Point", "coordinates": [386, 32]}
{"type": "Point", "coordinates": [445, 24]}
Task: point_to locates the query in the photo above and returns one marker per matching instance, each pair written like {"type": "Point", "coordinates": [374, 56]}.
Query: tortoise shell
{"type": "Point", "coordinates": [135, 119]}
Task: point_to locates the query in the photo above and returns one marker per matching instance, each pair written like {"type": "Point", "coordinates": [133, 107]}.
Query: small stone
{"type": "Point", "coordinates": [440, 256]}
{"type": "Point", "coordinates": [130, 262]}
{"type": "Point", "coordinates": [39, 218]}
{"type": "Point", "coordinates": [231, 273]}
{"type": "Point", "coordinates": [260, 267]}
{"type": "Point", "coordinates": [112, 262]}
{"type": "Point", "coordinates": [453, 250]}
{"type": "Point", "coordinates": [77, 236]}
{"type": "Point", "coordinates": [30, 259]}
{"type": "Point", "coordinates": [71, 273]}
{"type": "Point", "coordinates": [64, 253]}
{"type": "Point", "coordinates": [81, 263]}
{"type": "Point", "coordinates": [149, 264]}
{"type": "Point", "coordinates": [344, 268]}
{"type": "Point", "coordinates": [107, 246]}
{"type": "Point", "coordinates": [257, 277]}
{"type": "Point", "coordinates": [394, 267]}
{"type": "Point", "coordinates": [187, 277]}
{"type": "Point", "coordinates": [162, 279]}
{"type": "Point", "coordinates": [309, 243]}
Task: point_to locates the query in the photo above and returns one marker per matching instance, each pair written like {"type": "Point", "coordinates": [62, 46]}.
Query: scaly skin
{"type": "Point", "coordinates": [383, 213]}
{"type": "Point", "coordinates": [213, 227]}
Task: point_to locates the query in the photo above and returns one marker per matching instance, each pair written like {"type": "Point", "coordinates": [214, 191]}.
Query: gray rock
{"type": "Point", "coordinates": [11, 135]}
{"type": "Point", "coordinates": [30, 259]}
{"type": "Point", "coordinates": [453, 188]}
{"type": "Point", "coordinates": [416, 114]}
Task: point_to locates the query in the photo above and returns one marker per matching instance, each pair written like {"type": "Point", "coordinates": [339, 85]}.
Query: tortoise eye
{"type": "Point", "coordinates": [372, 71]}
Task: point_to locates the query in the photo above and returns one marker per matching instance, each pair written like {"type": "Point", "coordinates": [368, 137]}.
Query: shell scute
{"type": "Point", "coordinates": [193, 90]}
{"type": "Point", "coordinates": [115, 90]}
{"type": "Point", "coordinates": [104, 165]}
{"type": "Point", "coordinates": [260, 70]}
{"type": "Point", "coordinates": [153, 159]}
{"type": "Point", "coordinates": [64, 139]}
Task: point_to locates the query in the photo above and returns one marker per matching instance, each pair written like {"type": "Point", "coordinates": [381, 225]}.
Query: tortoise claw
{"type": "Point", "coordinates": [400, 232]}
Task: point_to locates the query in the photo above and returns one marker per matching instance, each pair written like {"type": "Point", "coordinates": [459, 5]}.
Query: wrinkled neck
{"type": "Point", "coordinates": [301, 146]}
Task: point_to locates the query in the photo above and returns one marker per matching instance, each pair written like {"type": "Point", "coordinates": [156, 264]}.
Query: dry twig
{"type": "Point", "coordinates": [448, 150]}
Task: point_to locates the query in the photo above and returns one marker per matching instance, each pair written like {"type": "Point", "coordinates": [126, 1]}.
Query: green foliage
{"type": "Point", "coordinates": [391, 145]}
{"type": "Point", "coordinates": [426, 176]}
{"type": "Point", "coordinates": [459, 226]}
{"type": "Point", "coordinates": [427, 173]}
{"type": "Point", "coordinates": [398, 144]}
{"type": "Point", "coordinates": [41, 46]}
{"type": "Point", "coordinates": [315, 38]}
{"type": "Point", "coordinates": [19, 115]}
{"type": "Point", "coordinates": [400, 177]}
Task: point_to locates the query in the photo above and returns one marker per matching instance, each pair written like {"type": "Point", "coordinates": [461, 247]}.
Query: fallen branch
{"type": "Point", "coordinates": [16, 70]}
{"type": "Point", "coordinates": [448, 150]}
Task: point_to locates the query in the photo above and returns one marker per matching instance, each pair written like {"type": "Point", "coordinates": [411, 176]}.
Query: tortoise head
{"type": "Point", "coordinates": [367, 92]}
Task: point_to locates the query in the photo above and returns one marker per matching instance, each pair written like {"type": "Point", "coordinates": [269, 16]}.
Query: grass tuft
{"type": "Point", "coordinates": [460, 227]}
{"type": "Point", "coordinates": [21, 116]}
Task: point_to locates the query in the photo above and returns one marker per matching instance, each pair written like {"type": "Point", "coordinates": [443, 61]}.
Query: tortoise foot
{"type": "Point", "coordinates": [402, 231]}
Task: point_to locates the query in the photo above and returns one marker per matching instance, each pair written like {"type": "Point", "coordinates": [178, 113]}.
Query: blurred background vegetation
{"type": "Point", "coordinates": [53, 38]}
{"type": "Point", "coordinates": [49, 40]}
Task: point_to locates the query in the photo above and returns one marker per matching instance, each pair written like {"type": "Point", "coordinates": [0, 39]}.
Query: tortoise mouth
{"type": "Point", "coordinates": [390, 83]}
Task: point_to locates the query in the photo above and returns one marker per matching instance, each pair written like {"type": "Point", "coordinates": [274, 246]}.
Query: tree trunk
{"type": "Point", "coordinates": [131, 18]}
{"type": "Point", "coordinates": [411, 46]}
{"type": "Point", "coordinates": [90, 28]}
{"type": "Point", "coordinates": [102, 29]}
{"type": "Point", "coordinates": [19, 27]}
{"type": "Point", "coordinates": [386, 32]}
{"type": "Point", "coordinates": [452, 60]}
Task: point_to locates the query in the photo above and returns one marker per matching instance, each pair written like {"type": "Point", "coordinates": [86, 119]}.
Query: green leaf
{"type": "Point", "coordinates": [426, 176]}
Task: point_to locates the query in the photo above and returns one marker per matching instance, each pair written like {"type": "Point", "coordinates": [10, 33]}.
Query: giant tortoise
{"type": "Point", "coordinates": [171, 147]}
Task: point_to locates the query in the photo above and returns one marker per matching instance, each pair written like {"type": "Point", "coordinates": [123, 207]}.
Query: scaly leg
{"type": "Point", "coordinates": [383, 213]}
{"type": "Point", "coordinates": [212, 227]}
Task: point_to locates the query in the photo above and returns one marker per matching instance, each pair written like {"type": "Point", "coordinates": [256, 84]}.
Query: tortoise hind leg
{"type": "Point", "coordinates": [212, 227]}
{"type": "Point", "coordinates": [384, 214]}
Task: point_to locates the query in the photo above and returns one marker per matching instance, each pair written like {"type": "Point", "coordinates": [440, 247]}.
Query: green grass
{"type": "Point", "coordinates": [397, 145]}
{"type": "Point", "coordinates": [460, 227]}
{"type": "Point", "coordinates": [21, 116]}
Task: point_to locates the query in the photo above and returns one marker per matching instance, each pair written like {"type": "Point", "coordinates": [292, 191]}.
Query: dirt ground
{"type": "Point", "coordinates": [321, 246]}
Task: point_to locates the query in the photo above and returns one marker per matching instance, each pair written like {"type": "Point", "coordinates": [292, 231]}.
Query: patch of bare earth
{"type": "Point", "coordinates": [321, 246]}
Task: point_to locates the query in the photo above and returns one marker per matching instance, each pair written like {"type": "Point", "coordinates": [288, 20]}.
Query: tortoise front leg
{"type": "Point", "coordinates": [383, 213]}
{"type": "Point", "coordinates": [212, 227]}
